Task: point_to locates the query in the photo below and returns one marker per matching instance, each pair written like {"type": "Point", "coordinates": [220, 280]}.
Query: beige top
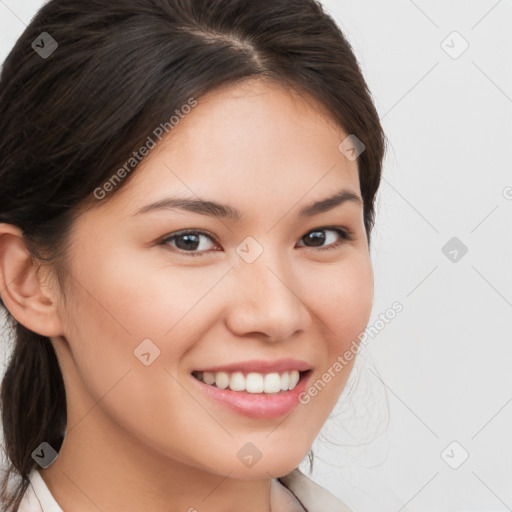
{"type": "Point", "coordinates": [308, 495]}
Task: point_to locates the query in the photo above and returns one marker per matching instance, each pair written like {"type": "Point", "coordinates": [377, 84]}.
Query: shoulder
{"type": "Point", "coordinates": [313, 496]}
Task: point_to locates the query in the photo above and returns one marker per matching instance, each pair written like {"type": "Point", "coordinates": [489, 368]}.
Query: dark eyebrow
{"type": "Point", "coordinates": [215, 209]}
{"type": "Point", "coordinates": [329, 203]}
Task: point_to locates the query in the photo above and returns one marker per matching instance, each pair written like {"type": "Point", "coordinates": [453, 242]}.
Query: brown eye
{"type": "Point", "coordinates": [188, 241]}
{"type": "Point", "coordinates": [318, 238]}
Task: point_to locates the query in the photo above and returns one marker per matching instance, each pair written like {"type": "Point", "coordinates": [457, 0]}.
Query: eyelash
{"type": "Point", "coordinates": [345, 236]}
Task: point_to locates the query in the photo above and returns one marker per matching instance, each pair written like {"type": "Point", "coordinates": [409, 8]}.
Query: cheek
{"type": "Point", "coordinates": [118, 306]}
{"type": "Point", "coordinates": [343, 306]}
{"type": "Point", "coordinates": [342, 297]}
{"type": "Point", "coordinates": [109, 318]}
{"type": "Point", "coordinates": [148, 299]}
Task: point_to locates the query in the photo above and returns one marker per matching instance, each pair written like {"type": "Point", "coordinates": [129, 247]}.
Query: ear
{"type": "Point", "coordinates": [22, 289]}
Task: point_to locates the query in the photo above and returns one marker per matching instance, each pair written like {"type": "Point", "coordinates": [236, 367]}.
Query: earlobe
{"type": "Point", "coordinates": [21, 288]}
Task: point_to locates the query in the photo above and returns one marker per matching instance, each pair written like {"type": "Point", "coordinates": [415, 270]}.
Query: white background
{"type": "Point", "coordinates": [440, 372]}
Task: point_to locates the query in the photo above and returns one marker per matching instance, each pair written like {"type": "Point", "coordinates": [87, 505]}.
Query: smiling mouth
{"type": "Point", "coordinates": [252, 382]}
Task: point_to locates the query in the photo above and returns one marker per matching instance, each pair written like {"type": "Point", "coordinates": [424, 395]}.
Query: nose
{"type": "Point", "coordinates": [266, 299]}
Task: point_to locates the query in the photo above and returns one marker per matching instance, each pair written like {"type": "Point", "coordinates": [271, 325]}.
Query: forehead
{"type": "Point", "coordinates": [249, 143]}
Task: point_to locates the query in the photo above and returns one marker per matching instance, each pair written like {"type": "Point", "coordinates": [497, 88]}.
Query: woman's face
{"type": "Point", "coordinates": [273, 290]}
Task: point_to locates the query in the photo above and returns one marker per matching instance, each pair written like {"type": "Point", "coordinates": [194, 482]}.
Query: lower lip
{"type": "Point", "coordinates": [257, 405]}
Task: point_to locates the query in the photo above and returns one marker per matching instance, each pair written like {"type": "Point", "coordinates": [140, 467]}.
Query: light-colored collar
{"type": "Point", "coordinates": [312, 496]}
{"type": "Point", "coordinates": [38, 497]}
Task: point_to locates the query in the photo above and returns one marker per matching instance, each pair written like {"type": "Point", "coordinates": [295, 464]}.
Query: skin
{"type": "Point", "coordinates": [143, 437]}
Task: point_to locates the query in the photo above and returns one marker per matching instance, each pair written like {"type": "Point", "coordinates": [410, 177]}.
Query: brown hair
{"type": "Point", "coordinates": [70, 118]}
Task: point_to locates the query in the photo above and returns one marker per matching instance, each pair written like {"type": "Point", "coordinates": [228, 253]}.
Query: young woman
{"type": "Point", "coordinates": [186, 201]}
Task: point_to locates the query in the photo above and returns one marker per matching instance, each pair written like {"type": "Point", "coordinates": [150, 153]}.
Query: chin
{"type": "Point", "coordinates": [276, 464]}
{"type": "Point", "coordinates": [261, 471]}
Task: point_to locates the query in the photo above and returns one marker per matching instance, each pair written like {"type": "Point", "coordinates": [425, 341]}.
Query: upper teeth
{"type": "Point", "coordinates": [252, 382]}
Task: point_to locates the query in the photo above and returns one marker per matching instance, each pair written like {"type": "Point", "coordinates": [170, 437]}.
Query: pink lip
{"type": "Point", "coordinates": [257, 405]}
{"type": "Point", "coordinates": [260, 366]}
